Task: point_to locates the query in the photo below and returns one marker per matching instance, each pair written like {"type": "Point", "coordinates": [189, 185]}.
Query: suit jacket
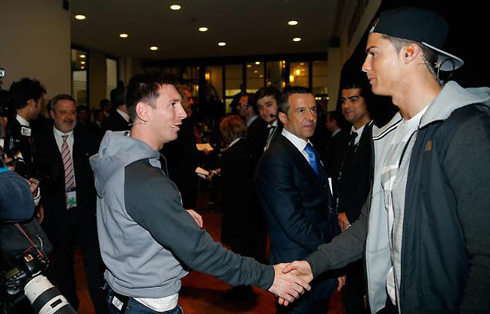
{"type": "Point", "coordinates": [243, 221]}
{"type": "Point", "coordinates": [257, 137]}
{"type": "Point", "coordinates": [53, 174]}
{"type": "Point", "coordinates": [297, 205]}
{"type": "Point", "coordinates": [182, 158]}
{"type": "Point", "coordinates": [352, 187]}
{"type": "Point", "coordinates": [115, 122]}
{"type": "Point", "coordinates": [334, 152]}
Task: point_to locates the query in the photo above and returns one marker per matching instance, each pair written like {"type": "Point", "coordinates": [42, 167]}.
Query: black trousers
{"type": "Point", "coordinates": [354, 289]}
{"type": "Point", "coordinates": [67, 229]}
{"type": "Point", "coordinates": [304, 306]}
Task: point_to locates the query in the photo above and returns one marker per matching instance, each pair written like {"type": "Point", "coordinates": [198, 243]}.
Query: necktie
{"type": "Point", "coordinates": [269, 137]}
{"type": "Point", "coordinates": [68, 165]}
{"type": "Point", "coordinates": [313, 159]}
{"type": "Point", "coordinates": [351, 149]}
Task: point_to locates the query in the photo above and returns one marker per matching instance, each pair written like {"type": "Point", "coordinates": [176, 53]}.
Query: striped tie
{"type": "Point", "coordinates": [68, 165]}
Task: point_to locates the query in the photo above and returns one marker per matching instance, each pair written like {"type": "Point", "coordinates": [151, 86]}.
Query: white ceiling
{"type": "Point", "coordinates": [249, 27]}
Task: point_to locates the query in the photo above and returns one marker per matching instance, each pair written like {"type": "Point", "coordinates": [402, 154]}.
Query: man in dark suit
{"type": "Point", "coordinates": [295, 196]}
{"type": "Point", "coordinates": [68, 195]}
{"type": "Point", "coordinates": [352, 185]}
{"type": "Point", "coordinates": [265, 102]}
{"type": "Point", "coordinates": [119, 119]}
{"type": "Point", "coordinates": [334, 149]}
{"type": "Point", "coordinates": [257, 128]}
{"type": "Point", "coordinates": [182, 155]}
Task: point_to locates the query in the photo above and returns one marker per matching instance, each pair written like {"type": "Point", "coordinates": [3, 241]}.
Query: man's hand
{"type": "Point", "coordinates": [40, 214]}
{"type": "Point", "coordinates": [343, 221]}
{"type": "Point", "coordinates": [286, 286]}
{"type": "Point", "coordinates": [341, 281]}
{"type": "Point", "coordinates": [197, 217]}
{"type": "Point", "coordinates": [33, 185]}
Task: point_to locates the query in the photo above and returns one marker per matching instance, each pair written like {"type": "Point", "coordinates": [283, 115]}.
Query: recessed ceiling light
{"type": "Point", "coordinates": [82, 68]}
{"type": "Point", "coordinates": [221, 44]}
{"type": "Point", "coordinates": [203, 29]}
{"type": "Point", "coordinates": [80, 17]}
{"type": "Point", "coordinates": [296, 39]}
{"type": "Point", "coordinates": [175, 7]}
{"type": "Point", "coordinates": [256, 71]}
{"type": "Point", "coordinates": [257, 62]}
{"type": "Point", "coordinates": [249, 65]}
{"type": "Point", "coordinates": [82, 62]}
{"type": "Point", "coordinates": [292, 23]}
{"type": "Point", "coordinates": [154, 48]}
{"type": "Point", "coordinates": [83, 56]}
{"type": "Point", "coordinates": [123, 35]}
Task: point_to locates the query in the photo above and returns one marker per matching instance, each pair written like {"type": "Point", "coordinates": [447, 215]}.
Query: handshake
{"type": "Point", "coordinates": [291, 280]}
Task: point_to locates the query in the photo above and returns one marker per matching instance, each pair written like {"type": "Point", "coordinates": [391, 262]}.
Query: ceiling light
{"type": "Point", "coordinates": [123, 35]}
{"type": "Point", "coordinates": [221, 44]}
{"type": "Point", "coordinates": [83, 56]}
{"type": "Point", "coordinates": [175, 7]}
{"type": "Point", "coordinates": [292, 23]}
{"type": "Point", "coordinates": [256, 71]}
{"type": "Point", "coordinates": [249, 65]}
{"type": "Point", "coordinates": [154, 48]}
{"type": "Point", "coordinates": [80, 17]}
{"type": "Point", "coordinates": [257, 62]}
{"type": "Point", "coordinates": [82, 68]}
{"type": "Point", "coordinates": [296, 39]}
{"type": "Point", "coordinates": [82, 62]}
{"type": "Point", "coordinates": [203, 29]}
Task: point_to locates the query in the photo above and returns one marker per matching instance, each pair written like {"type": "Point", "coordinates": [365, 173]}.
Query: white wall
{"type": "Point", "coordinates": [35, 42]}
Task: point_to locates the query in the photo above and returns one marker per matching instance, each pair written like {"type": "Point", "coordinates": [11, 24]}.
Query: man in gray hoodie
{"type": "Point", "coordinates": [147, 239]}
{"type": "Point", "coordinates": [424, 229]}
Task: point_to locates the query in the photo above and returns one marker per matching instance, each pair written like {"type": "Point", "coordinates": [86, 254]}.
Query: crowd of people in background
{"type": "Point", "coordinates": [280, 167]}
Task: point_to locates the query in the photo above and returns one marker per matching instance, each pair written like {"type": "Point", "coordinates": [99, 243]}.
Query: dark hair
{"type": "Point", "coordinates": [232, 127]}
{"type": "Point", "coordinates": [118, 97]}
{"type": "Point", "coordinates": [359, 81]}
{"type": "Point", "coordinates": [144, 87]}
{"type": "Point", "coordinates": [264, 92]}
{"type": "Point", "coordinates": [283, 102]}
{"type": "Point", "coordinates": [55, 99]}
{"type": "Point", "coordinates": [104, 102]}
{"type": "Point", "coordinates": [429, 55]}
{"type": "Point", "coordinates": [24, 90]}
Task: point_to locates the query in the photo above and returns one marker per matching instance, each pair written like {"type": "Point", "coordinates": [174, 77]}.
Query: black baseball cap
{"type": "Point", "coordinates": [424, 26]}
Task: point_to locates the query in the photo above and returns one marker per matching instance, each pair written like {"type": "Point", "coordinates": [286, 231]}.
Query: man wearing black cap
{"type": "Point", "coordinates": [424, 230]}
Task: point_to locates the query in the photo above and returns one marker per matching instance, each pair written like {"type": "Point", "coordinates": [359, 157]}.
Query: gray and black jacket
{"type": "Point", "coordinates": [146, 235]}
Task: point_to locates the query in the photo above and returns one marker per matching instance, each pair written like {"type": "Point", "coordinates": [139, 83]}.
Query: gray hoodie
{"type": "Point", "coordinates": [145, 233]}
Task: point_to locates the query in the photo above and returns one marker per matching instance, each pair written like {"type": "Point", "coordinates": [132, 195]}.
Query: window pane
{"type": "Point", "coordinates": [275, 74]}
{"type": "Point", "coordinates": [320, 78]}
{"type": "Point", "coordinates": [234, 79]}
{"type": "Point", "coordinates": [214, 80]}
{"type": "Point", "coordinates": [255, 76]}
{"type": "Point", "coordinates": [111, 76]}
{"type": "Point", "coordinates": [298, 74]}
{"type": "Point", "coordinates": [79, 63]}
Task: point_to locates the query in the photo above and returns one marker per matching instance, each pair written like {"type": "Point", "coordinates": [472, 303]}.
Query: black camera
{"type": "Point", "coordinates": [6, 109]}
{"type": "Point", "coordinates": [26, 274]}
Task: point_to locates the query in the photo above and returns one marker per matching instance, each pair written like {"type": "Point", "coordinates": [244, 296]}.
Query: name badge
{"type": "Point", "coordinates": [71, 198]}
{"type": "Point", "coordinates": [25, 131]}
